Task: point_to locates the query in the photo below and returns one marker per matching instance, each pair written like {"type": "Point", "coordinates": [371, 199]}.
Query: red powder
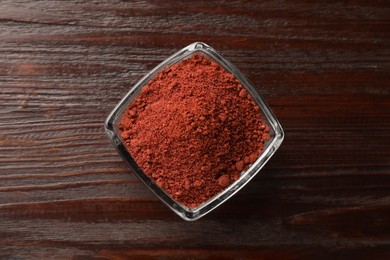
{"type": "Point", "coordinates": [193, 129]}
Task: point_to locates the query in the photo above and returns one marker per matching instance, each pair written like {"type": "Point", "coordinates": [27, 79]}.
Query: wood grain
{"type": "Point", "coordinates": [323, 67]}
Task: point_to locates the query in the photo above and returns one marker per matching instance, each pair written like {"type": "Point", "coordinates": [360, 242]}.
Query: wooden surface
{"type": "Point", "coordinates": [323, 67]}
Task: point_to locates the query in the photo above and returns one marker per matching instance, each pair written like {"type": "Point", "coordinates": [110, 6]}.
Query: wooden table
{"type": "Point", "coordinates": [323, 67]}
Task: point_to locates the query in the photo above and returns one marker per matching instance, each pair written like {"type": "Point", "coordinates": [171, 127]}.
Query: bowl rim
{"type": "Point", "coordinates": [191, 214]}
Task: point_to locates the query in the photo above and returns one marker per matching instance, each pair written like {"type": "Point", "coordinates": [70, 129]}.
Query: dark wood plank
{"type": "Point", "coordinates": [323, 67]}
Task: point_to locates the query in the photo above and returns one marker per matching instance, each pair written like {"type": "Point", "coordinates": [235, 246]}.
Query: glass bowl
{"type": "Point", "coordinates": [276, 133]}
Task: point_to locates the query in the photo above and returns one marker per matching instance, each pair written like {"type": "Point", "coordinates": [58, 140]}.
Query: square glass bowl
{"type": "Point", "coordinates": [276, 133]}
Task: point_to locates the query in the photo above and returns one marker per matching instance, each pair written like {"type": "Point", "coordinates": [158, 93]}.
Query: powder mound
{"type": "Point", "coordinates": [193, 129]}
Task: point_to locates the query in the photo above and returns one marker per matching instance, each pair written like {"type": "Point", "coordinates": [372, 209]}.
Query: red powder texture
{"type": "Point", "coordinates": [193, 129]}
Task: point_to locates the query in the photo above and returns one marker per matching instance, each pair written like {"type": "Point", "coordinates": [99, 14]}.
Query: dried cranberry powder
{"type": "Point", "coordinates": [193, 129]}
